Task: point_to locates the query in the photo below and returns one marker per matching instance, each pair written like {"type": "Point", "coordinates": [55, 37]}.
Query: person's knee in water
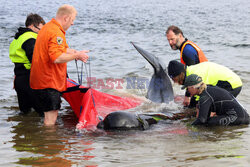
{"type": "Point", "coordinates": [212, 99]}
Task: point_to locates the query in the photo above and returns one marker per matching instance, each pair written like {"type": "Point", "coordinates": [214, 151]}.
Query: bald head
{"type": "Point", "coordinates": [67, 10]}
{"type": "Point", "coordinates": [65, 16]}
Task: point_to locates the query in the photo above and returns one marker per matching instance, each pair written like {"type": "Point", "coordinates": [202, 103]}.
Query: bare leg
{"type": "Point", "coordinates": [50, 117]}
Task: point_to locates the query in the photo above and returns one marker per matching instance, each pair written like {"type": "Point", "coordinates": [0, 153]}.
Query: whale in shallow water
{"type": "Point", "coordinates": [160, 88]}
{"type": "Point", "coordinates": [122, 120]}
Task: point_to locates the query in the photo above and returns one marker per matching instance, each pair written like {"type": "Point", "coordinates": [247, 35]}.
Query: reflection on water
{"type": "Point", "coordinates": [63, 146]}
{"type": "Point", "coordinates": [43, 142]}
{"type": "Point", "coordinates": [50, 146]}
{"type": "Point", "coordinates": [215, 134]}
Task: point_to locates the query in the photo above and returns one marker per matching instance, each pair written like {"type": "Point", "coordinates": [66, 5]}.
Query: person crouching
{"type": "Point", "coordinates": [216, 106]}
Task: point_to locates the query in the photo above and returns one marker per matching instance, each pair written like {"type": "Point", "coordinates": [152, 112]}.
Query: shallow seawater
{"type": "Point", "coordinates": [220, 28]}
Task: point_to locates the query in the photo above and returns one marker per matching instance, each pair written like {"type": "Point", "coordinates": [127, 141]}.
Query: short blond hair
{"type": "Point", "coordinates": [200, 86]}
{"type": "Point", "coordinates": [66, 10]}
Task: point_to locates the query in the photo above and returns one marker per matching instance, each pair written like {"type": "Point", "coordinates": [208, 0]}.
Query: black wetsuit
{"type": "Point", "coordinates": [21, 83]}
{"type": "Point", "coordinates": [222, 84]}
{"type": "Point", "coordinates": [228, 110]}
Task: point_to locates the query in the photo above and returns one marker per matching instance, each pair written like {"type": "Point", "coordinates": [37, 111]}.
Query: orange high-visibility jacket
{"type": "Point", "coordinates": [201, 55]}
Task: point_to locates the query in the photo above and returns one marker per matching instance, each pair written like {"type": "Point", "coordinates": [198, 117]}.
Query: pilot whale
{"type": "Point", "coordinates": [160, 88]}
{"type": "Point", "coordinates": [122, 120]}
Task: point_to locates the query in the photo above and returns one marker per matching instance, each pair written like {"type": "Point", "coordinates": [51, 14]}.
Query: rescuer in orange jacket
{"type": "Point", "coordinates": [190, 53]}
{"type": "Point", "coordinates": [49, 63]}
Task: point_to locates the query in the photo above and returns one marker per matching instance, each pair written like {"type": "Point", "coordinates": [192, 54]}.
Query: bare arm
{"type": "Point", "coordinates": [70, 51]}
{"type": "Point", "coordinates": [186, 101]}
{"type": "Point", "coordinates": [72, 54]}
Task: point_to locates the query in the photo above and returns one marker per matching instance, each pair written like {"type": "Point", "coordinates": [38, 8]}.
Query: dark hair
{"type": "Point", "coordinates": [34, 19]}
{"type": "Point", "coordinates": [175, 29]}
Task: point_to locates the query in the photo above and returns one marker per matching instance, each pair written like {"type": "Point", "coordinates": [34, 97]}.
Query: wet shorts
{"type": "Point", "coordinates": [47, 99]}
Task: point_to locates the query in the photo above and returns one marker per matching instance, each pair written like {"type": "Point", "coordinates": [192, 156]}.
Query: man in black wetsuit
{"type": "Point", "coordinates": [226, 110]}
{"type": "Point", "coordinates": [21, 53]}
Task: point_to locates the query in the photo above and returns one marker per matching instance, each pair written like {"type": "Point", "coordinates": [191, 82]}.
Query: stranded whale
{"type": "Point", "coordinates": [160, 90]}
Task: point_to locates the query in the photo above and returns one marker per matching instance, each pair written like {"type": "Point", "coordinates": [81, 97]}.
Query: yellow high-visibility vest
{"type": "Point", "coordinates": [211, 73]}
{"type": "Point", "coordinates": [16, 53]}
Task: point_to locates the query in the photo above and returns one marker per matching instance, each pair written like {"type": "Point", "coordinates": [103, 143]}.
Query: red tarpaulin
{"type": "Point", "coordinates": [89, 104]}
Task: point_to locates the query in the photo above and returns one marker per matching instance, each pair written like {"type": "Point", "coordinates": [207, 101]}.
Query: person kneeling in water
{"type": "Point", "coordinates": [213, 100]}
